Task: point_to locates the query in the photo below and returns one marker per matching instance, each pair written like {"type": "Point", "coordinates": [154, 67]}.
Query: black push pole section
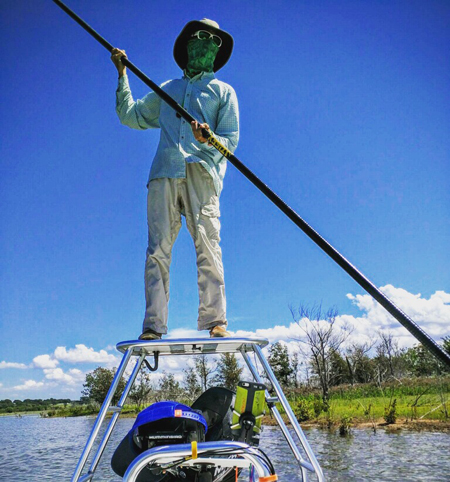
{"type": "Point", "coordinates": [365, 283]}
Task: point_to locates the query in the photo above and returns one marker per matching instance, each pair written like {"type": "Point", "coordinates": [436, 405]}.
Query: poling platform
{"type": "Point", "coordinates": [211, 453]}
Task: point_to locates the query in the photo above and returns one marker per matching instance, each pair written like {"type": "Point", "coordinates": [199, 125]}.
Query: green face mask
{"type": "Point", "coordinates": [201, 56]}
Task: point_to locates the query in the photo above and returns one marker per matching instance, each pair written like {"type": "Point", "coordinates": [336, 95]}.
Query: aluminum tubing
{"type": "Point", "coordinates": [289, 413]}
{"type": "Point", "coordinates": [115, 416]}
{"type": "Point", "coordinates": [304, 465]}
{"type": "Point", "coordinates": [101, 416]}
{"type": "Point", "coordinates": [179, 451]}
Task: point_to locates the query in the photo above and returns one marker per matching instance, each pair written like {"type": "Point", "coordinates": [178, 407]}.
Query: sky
{"type": "Point", "coordinates": [344, 111]}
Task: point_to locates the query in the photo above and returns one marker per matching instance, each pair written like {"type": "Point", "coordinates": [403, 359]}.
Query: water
{"type": "Point", "coordinates": [37, 449]}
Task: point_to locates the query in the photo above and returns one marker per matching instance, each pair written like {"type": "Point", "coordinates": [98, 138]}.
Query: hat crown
{"type": "Point", "coordinates": [209, 22]}
{"type": "Point", "coordinates": [180, 50]}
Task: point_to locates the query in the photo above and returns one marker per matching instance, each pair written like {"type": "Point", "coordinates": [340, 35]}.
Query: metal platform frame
{"type": "Point", "coordinates": [244, 455]}
{"type": "Point", "coordinates": [193, 346]}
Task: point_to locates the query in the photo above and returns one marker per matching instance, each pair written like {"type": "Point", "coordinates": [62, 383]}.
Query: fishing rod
{"type": "Point", "coordinates": [364, 282]}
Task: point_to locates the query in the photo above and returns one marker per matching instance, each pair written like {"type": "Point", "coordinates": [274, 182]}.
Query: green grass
{"type": "Point", "coordinates": [373, 408]}
{"type": "Point", "coordinates": [404, 387]}
{"type": "Point", "coordinates": [83, 410]}
{"type": "Point", "coordinates": [415, 398]}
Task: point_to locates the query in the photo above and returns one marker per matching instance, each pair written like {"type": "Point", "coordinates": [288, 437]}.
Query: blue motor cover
{"type": "Point", "coordinates": [169, 409]}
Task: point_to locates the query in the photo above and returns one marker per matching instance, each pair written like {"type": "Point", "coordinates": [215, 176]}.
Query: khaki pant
{"type": "Point", "coordinates": [196, 199]}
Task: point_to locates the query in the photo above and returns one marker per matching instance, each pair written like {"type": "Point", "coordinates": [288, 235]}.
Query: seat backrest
{"type": "Point", "coordinates": [215, 405]}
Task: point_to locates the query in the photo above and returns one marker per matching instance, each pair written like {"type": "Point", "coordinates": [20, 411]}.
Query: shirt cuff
{"type": "Point", "coordinates": [123, 82]}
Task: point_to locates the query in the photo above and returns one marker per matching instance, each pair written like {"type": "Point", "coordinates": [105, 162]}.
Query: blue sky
{"type": "Point", "coordinates": [344, 113]}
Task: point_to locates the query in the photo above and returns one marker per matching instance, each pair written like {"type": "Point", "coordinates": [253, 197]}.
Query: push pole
{"type": "Point", "coordinates": [364, 282]}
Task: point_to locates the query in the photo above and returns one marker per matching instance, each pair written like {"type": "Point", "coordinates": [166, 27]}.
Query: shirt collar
{"type": "Point", "coordinates": [200, 76]}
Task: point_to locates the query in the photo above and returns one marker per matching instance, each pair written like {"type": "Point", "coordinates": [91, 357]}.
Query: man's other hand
{"type": "Point", "coordinates": [116, 55]}
{"type": "Point", "coordinates": [197, 130]}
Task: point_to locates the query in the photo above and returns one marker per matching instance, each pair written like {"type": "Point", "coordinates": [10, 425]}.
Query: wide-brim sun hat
{"type": "Point", "coordinates": [180, 47]}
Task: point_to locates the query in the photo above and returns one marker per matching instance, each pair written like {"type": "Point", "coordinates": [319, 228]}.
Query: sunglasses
{"type": "Point", "coordinates": [205, 35]}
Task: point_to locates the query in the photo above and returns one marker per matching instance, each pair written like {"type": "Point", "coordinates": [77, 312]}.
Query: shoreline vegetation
{"type": "Point", "coordinates": [330, 382]}
{"type": "Point", "coordinates": [407, 404]}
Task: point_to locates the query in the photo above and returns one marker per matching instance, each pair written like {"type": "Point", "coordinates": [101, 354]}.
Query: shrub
{"type": "Point", "coordinates": [319, 406]}
{"type": "Point", "coordinates": [390, 412]}
{"type": "Point", "coordinates": [368, 410]}
{"type": "Point", "coordinates": [303, 410]}
{"type": "Point", "coordinates": [344, 426]}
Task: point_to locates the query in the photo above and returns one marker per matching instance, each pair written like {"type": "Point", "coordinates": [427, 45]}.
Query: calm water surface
{"type": "Point", "coordinates": [37, 449]}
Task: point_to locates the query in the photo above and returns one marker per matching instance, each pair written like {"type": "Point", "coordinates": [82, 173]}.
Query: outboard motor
{"type": "Point", "coordinates": [163, 423]}
{"type": "Point", "coordinates": [166, 423]}
{"type": "Point", "coordinates": [169, 423]}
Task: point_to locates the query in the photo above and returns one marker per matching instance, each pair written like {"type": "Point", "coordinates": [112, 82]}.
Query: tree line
{"type": "Point", "coordinates": [325, 358]}
{"type": "Point", "coordinates": [31, 405]}
{"type": "Point", "coordinates": [196, 379]}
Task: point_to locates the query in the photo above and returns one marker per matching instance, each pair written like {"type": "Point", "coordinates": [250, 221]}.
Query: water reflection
{"type": "Point", "coordinates": [36, 449]}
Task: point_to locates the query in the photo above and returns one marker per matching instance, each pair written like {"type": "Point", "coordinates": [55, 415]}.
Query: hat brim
{"type": "Point", "coordinates": [180, 47]}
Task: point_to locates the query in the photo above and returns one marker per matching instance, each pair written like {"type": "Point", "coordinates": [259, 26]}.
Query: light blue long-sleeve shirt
{"type": "Point", "coordinates": [207, 100]}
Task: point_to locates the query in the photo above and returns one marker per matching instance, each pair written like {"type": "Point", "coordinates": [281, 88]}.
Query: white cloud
{"type": "Point", "coordinates": [432, 315]}
{"type": "Point", "coordinates": [83, 354]}
{"type": "Point", "coordinates": [4, 364]}
{"type": "Point", "coordinates": [44, 361]}
{"type": "Point", "coordinates": [29, 385]}
{"type": "Point", "coordinates": [276, 333]}
{"type": "Point", "coordinates": [80, 354]}
{"type": "Point", "coordinates": [187, 333]}
{"type": "Point", "coordinates": [73, 377]}
{"type": "Point", "coordinates": [279, 332]}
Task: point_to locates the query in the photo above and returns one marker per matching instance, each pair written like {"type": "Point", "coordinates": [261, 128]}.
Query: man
{"type": "Point", "coordinates": [186, 176]}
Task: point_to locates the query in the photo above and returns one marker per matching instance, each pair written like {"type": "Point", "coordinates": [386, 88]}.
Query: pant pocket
{"type": "Point", "coordinates": [209, 219]}
{"type": "Point", "coordinates": [211, 208]}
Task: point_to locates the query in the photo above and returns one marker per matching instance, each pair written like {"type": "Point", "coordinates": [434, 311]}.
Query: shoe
{"type": "Point", "coordinates": [149, 335]}
{"type": "Point", "coordinates": [218, 332]}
